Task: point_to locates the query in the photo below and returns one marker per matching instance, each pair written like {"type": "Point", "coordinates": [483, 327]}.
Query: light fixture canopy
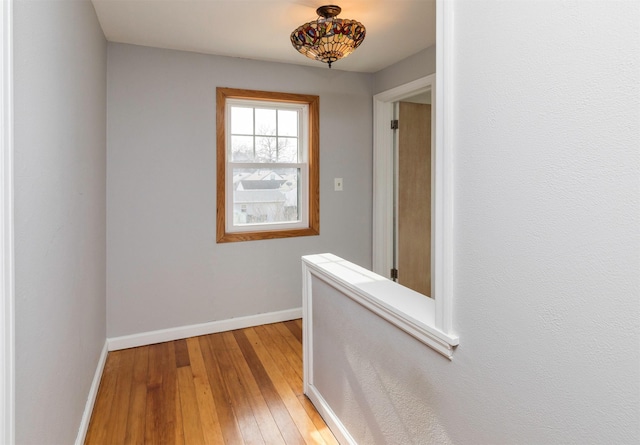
{"type": "Point", "coordinates": [328, 38]}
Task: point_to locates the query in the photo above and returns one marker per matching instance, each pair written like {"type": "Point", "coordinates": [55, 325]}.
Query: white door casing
{"type": "Point", "coordinates": [7, 331]}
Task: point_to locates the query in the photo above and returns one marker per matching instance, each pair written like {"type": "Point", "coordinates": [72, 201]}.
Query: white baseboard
{"type": "Point", "coordinates": [162, 335]}
{"type": "Point", "coordinates": [333, 422]}
{"type": "Point", "coordinates": [91, 399]}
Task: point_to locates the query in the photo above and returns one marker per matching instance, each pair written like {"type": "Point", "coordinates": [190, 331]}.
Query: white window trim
{"type": "Point", "coordinates": [442, 197]}
{"type": "Point", "coordinates": [303, 166]}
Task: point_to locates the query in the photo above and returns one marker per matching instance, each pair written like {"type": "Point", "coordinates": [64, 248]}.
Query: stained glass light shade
{"type": "Point", "coordinates": [328, 38]}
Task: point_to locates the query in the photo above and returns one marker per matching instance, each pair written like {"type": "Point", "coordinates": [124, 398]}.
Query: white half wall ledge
{"type": "Point", "coordinates": [402, 307]}
{"type": "Point", "coordinates": [178, 333]}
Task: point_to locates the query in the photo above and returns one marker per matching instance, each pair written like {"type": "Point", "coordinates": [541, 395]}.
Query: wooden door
{"type": "Point", "coordinates": [414, 197]}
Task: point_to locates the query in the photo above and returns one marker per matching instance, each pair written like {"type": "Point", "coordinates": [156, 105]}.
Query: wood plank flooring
{"type": "Point", "coordinates": [233, 388]}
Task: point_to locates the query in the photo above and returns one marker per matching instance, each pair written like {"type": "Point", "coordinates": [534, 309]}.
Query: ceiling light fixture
{"type": "Point", "coordinates": [328, 38]}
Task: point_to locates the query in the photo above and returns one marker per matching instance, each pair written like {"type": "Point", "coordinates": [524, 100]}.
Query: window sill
{"type": "Point", "coordinates": [406, 309]}
{"type": "Point", "coordinates": [232, 237]}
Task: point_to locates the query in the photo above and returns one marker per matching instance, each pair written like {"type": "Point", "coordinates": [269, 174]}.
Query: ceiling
{"type": "Point", "coordinates": [260, 29]}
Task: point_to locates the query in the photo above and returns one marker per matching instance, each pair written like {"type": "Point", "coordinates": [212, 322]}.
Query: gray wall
{"type": "Point", "coordinates": [164, 268]}
{"type": "Point", "coordinates": [547, 248]}
{"type": "Point", "coordinates": [414, 67]}
{"type": "Point", "coordinates": [60, 202]}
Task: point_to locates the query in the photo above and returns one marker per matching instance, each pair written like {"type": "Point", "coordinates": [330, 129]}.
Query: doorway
{"type": "Point", "coordinates": [403, 247]}
{"type": "Point", "coordinates": [412, 193]}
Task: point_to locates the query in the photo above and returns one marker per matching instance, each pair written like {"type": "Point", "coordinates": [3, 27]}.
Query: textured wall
{"type": "Point", "coordinates": [374, 376]}
{"type": "Point", "coordinates": [547, 136]}
{"type": "Point", "coordinates": [164, 267]}
{"type": "Point", "coordinates": [546, 127]}
{"type": "Point", "coordinates": [60, 221]}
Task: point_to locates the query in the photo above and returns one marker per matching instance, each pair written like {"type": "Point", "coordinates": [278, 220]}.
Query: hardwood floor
{"type": "Point", "coordinates": [238, 387]}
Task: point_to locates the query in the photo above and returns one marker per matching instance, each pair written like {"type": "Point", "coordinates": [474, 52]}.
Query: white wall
{"type": "Point", "coordinates": [60, 203]}
{"type": "Point", "coordinates": [164, 267]}
{"type": "Point", "coordinates": [546, 123]}
{"type": "Point", "coordinates": [413, 67]}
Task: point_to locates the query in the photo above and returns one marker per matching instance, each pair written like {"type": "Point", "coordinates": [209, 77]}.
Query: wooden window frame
{"type": "Point", "coordinates": [313, 161]}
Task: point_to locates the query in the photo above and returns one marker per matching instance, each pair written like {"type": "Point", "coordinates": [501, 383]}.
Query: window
{"type": "Point", "coordinates": [267, 166]}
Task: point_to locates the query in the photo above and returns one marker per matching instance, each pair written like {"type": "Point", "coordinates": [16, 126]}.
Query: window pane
{"type": "Point", "coordinates": [242, 148]}
{"type": "Point", "coordinates": [266, 149]}
{"type": "Point", "coordinates": [241, 120]}
{"type": "Point", "coordinates": [265, 196]}
{"type": "Point", "coordinates": [287, 150]}
{"type": "Point", "coordinates": [265, 122]}
{"type": "Point", "coordinates": [287, 123]}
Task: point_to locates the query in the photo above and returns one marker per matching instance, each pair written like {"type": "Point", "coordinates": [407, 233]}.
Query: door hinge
{"type": "Point", "coordinates": [394, 274]}
{"type": "Point", "coordinates": [394, 124]}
